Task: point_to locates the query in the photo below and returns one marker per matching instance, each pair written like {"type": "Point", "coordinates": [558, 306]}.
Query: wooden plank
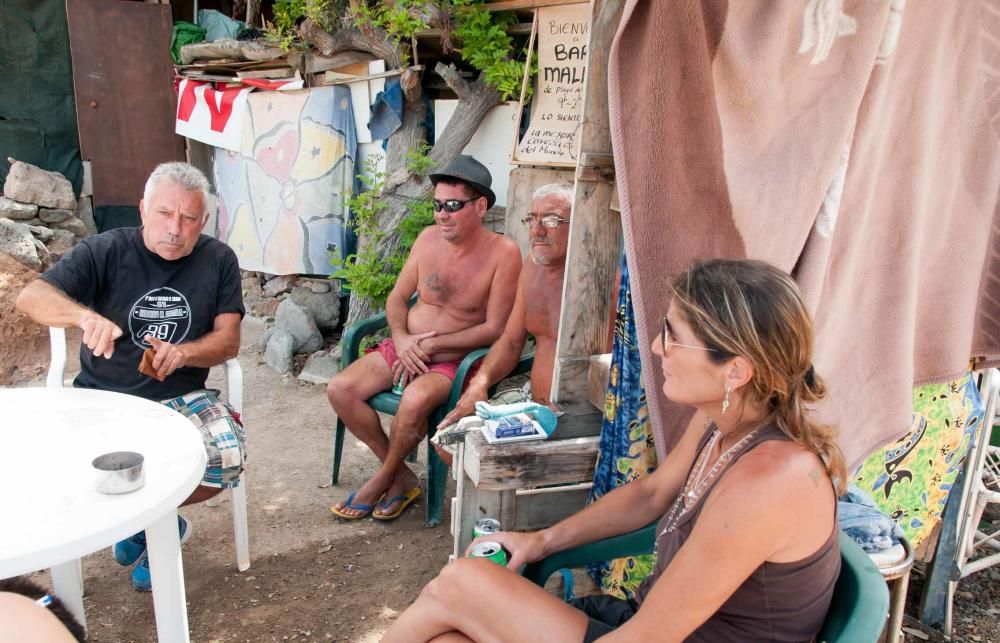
{"type": "Point", "coordinates": [523, 183]}
{"type": "Point", "coordinates": [529, 464]}
{"type": "Point", "coordinates": [125, 100]}
{"type": "Point", "coordinates": [597, 380]}
{"type": "Point", "coordinates": [511, 5]}
{"type": "Point", "coordinates": [312, 63]}
{"type": "Point", "coordinates": [541, 508]}
{"type": "Point", "coordinates": [336, 78]}
{"type": "Point", "coordinates": [276, 72]}
{"type": "Point", "coordinates": [595, 231]}
{"type": "Point", "coordinates": [483, 503]}
{"type": "Point", "coordinates": [579, 420]}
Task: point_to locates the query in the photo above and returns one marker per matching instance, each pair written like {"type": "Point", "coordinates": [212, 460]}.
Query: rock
{"type": "Point", "coordinates": [42, 233]}
{"type": "Point", "coordinates": [324, 307]}
{"type": "Point", "coordinates": [265, 338]}
{"type": "Point", "coordinates": [85, 213]}
{"type": "Point", "coordinates": [279, 351]}
{"type": "Point", "coordinates": [34, 222]}
{"type": "Point", "coordinates": [319, 368]}
{"type": "Point", "coordinates": [278, 285]}
{"type": "Point", "coordinates": [251, 287]}
{"type": "Point", "coordinates": [60, 243]}
{"type": "Point", "coordinates": [16, 240]}
{"type": "Point", "coordinates": [29, 184]}
{"type": "Point", "coordinates": [297, 322]}
{"type": "Point", "coordinates": [43, 253]}
{"type": "Point", "coordinates": [318, 286]}
{"type": "Point", "coordinates": [267, 308]}
{"type": "Point", "coordinates": [49, 215]}
{"type": "Point", "coordinates": [74, 225]}
{"type": "Point", "coordinates": [10, 209]}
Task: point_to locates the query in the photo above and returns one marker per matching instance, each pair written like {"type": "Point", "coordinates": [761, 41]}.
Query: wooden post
{"type": "Point", "coordinates": [591, 260]}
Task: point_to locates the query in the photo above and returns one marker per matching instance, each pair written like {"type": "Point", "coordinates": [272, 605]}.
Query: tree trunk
{"type": "Point", "coordinates": [476, 99]}
{"type": "Point", "coordinates": [402, 187]}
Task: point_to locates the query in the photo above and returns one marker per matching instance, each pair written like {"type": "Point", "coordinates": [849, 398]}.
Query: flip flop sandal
{"type": "Point", "coordinates": [407, 499]}
{"type": "Point", "coordinates": [367, 509]}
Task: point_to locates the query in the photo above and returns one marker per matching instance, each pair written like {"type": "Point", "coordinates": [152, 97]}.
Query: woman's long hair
{"type": "Point", "coordinates": [752, 309]}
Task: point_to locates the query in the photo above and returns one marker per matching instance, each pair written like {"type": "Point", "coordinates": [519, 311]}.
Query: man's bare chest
{"type": "Point", "coordinates": [543, 298]}
{"type": "Point", "coordinates": [461, 285]}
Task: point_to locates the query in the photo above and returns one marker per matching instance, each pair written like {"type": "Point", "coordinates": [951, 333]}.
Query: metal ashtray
{"type": "Point", "coordinates": [119, 472]}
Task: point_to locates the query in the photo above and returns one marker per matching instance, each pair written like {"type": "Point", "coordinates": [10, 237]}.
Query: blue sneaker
{"type": "Point", "coordinates": [140, 575]}
{"type": "Point", "coordinates": [128, 551]}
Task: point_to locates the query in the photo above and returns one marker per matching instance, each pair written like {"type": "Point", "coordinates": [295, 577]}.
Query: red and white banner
{"type": "Point", "coordinates": [209, 115]}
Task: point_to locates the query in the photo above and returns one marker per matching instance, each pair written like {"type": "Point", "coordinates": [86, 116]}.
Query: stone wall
{"type": "Point", "coordinates": [40, 217]}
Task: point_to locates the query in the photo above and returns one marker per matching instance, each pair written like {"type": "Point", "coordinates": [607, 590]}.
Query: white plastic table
{"type": "Point", "coordinates": [51, 511]}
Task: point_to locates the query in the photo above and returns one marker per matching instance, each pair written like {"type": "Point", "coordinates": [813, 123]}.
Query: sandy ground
{"type": "Point", "coordinates": [313, 577]}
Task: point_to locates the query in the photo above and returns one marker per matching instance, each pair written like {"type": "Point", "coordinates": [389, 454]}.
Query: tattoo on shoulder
{"type": "Point", "coordinates": [816, 476]}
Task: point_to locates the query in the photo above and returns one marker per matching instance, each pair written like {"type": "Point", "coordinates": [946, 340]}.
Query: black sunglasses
{"type": "Point", "coordinates": [452, 205]}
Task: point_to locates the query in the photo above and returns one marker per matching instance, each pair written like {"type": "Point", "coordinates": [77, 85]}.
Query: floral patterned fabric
{"type": "Point", "coordinates": [627, 451]}
{"type": "Point", "coordinates": [910, 479]}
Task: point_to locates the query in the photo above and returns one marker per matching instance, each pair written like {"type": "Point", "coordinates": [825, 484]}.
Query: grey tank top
{"type": "Point", "coordinates": [779, 601]}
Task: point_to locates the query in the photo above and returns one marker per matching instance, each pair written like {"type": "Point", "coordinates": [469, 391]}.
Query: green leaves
{"type": "Point", "coordinates": [364, 272]}
{"type": "Point", "coordinates": [486, 45]}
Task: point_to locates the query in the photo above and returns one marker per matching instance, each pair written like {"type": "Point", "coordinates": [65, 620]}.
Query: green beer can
{"type": "Point", "coordinates": [485, 527]}
{"type": "Point", "coordinates": [489, 550]}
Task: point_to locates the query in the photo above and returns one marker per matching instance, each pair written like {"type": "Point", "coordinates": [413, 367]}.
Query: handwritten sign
{"type": "Point", "coordinates": [557, 114]}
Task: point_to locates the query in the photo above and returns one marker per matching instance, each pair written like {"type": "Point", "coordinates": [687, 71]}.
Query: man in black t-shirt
{"type": "Point", "coordinates": [165, 288]}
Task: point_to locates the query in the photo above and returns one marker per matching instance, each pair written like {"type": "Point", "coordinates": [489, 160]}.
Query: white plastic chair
{"type": "Point", "coordinates": [982, 487]}
{"type": "Point", "coordinates": [234, 394]}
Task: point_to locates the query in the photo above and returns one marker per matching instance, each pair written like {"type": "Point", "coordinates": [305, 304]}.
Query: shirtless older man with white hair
{"type": "Point", "coordinates": [465, 276]}
{"type": "Point", "coordinates": [536, 307]}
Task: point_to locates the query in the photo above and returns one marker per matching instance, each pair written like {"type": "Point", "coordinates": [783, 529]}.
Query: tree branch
{"type": "Point", "coordinates": [454, 80]}
{"type": "Point", "coordinates": [380, 45]}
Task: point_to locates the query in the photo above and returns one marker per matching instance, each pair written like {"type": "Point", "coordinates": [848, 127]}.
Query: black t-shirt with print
{"type": "Point", "coordinates": [117, 276]}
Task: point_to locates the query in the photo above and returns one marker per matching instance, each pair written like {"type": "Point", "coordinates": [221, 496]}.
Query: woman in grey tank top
{"type": "Point", "coordinates": [747, 545]}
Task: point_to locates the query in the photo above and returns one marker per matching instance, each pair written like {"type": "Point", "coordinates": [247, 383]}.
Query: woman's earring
{"type": "Point", "coordinates": [725, 401]}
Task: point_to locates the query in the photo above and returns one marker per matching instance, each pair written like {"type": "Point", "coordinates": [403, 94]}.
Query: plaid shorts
{"type": "Point", "coordinates": [221, 432]}
{"type": "Point", "coordinates": [513, 395]}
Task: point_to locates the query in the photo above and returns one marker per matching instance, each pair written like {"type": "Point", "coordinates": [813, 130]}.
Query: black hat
{"type": "Point", "coordinates": [468, 170]}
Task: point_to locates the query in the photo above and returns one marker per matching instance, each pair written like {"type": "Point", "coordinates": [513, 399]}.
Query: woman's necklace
{"type": "Point", "coordinates": [696, 485]}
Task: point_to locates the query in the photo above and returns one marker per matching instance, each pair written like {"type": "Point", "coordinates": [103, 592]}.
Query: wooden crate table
{"type": "Point", "coordinates": [524, 485]}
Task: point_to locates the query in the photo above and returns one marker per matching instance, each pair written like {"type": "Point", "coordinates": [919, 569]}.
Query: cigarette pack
{"type": "Point", "coordinates": [513, 428]}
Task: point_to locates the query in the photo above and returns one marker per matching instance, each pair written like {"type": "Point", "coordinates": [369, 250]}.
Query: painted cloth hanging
{"type": "Point", "coordinates": [627, 451]}
{"type": "Point", "coordinates": [910, 479]}
{"type": "Point", "coordinates": [283, 196]}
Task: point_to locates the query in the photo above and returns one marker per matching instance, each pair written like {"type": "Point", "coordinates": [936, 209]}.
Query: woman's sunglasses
{"type": "Point", "coordinates": [451, 205]}
{"type": "Point", "coordinates": [667, 340]}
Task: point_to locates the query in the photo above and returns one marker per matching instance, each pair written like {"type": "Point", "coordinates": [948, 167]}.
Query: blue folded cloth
{"type": "Point", "coordinates": [860, 519]}
{"type": "Point", "coordinates": [542, 414]}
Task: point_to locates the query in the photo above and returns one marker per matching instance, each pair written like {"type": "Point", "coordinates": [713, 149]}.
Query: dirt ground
{"type": "Point", "coordinates": [313, 577]}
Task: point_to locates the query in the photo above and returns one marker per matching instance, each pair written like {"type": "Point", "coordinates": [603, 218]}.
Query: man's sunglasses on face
{"type": "Point", "coordinates": [451, 205]}
{"type": "Point", "coordinates": [549, 221]}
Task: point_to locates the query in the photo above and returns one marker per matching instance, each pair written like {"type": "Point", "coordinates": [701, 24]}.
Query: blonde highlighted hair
{"type": "Point", "coordinates": [746, 308]}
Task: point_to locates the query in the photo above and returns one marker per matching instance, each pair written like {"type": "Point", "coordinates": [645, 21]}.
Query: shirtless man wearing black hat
{"type": "Point", "coordinates": [465, 277]}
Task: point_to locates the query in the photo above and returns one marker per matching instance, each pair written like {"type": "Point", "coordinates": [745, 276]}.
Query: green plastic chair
{"type": "Point", "coordinates": [388, 402]}
{"type": "Point", "coordinates": [860, 598]}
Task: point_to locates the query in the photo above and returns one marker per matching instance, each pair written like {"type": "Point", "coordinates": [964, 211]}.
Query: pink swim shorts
{"type": "Point", "coordinates": [388, 350]}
